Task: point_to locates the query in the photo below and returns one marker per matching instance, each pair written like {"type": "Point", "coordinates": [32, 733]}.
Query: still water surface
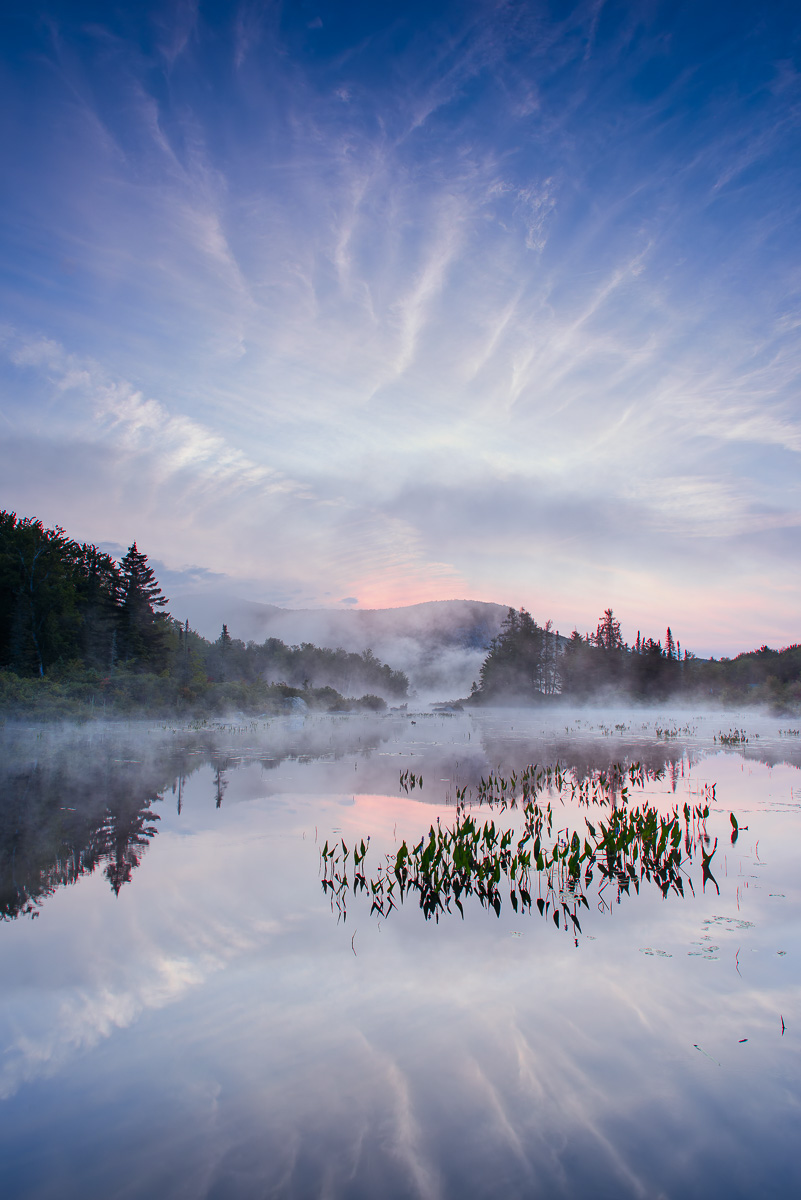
{"type": "Point", "coordinates": [185, 1012]}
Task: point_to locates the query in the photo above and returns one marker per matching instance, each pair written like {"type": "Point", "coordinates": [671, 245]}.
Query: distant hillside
{"type": "Point", "coordinates": [440, 645]}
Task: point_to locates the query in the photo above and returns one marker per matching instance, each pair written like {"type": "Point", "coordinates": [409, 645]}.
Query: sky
{"type": "Point", "coordinates": [346, 304]}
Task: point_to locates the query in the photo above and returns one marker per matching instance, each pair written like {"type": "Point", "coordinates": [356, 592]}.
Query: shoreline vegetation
{"type": "Point", "coordinates": [84, 636]}
{"type": "Point", "coordinates": [531, 664]}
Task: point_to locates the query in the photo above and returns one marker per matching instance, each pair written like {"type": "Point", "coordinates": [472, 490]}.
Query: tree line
{"type": "Point", "coordinates": [528, 662]}
{"type": "Point", "coordinates": [63, 601]}
{"type": "Point", "coordinates": [303, 666]}
{"type": "Point", "coordinates": [78, 628]}
{"type": "Point", "coordinates": [92, 630]}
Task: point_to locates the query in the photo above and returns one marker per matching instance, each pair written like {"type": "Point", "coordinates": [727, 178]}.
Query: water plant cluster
{"type": "Point", "coordinates": [735, 737]}
{"type": "Point", "coordinates": [534, 865]}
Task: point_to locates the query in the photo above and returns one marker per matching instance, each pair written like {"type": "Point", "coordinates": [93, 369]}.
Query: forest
{"type": "Point", "coordinates": [528, 663]}
{"type": "Point", "coordinates": [80, 632]}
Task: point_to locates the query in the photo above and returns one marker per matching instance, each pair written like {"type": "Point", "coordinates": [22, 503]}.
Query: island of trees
{"type": "Point", "coordinates": [81, 633]}
{"type": "Point", "coordinates": [529, 663]}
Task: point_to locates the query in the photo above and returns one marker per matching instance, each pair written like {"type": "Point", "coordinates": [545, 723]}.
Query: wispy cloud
{"type": "Point", "coordinates": [176, 23]}
{"type": "Point", "coordinates": [310, 268]}
{"type": "Point", "coordinates": [114, 413]}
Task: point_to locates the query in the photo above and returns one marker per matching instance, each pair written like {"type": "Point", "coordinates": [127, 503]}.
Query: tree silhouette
{"type": "Point", "coordinates": [37, 599]}
{"type": "Point", "coordinates": [143, 630]}
{"type": "Point", "coordinates": [607, 635]}
{"type": "Point", "coordinates": [518, 663]}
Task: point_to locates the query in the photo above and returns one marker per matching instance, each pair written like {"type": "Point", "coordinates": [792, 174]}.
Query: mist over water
{"type": "Point", "coordinates": [183, 1007]}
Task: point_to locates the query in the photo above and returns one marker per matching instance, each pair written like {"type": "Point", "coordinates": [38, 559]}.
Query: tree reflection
{"type": "Point", "coordinates": [73, 802]}
{"type": "Point", "coordinates": [51, 834]}
{"type": "Point", "coordinates": [122, 840]}
{"type": "Point", "coordinates": [221, 764]}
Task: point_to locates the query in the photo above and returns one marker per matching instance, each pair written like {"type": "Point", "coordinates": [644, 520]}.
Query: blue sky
{"type": "Point", "coordinates": [390, 302]}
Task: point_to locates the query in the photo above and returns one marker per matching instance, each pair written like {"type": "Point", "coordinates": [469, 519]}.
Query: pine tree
{"type": "Point", "coordinates": [670, 645]}
{"type": "Point", "coordinates": [517, 659]}
{"type": "Point", "coordinates": [98, 586]}
{"type": "Point", "coordinates": [38, 617]}
{"type": "Point", "coordinates": [142, 629]}
{"type": "Point", "coordinates": [608, 635]}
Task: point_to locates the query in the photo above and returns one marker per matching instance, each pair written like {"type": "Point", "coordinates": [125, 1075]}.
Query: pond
{"type": "Point", "coordinates": [203, 996]}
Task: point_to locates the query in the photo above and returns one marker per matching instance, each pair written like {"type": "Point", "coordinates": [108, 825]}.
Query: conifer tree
{"type": "Point", "coordinates": [517, 660]}
{"type": "Point", "coordinates": [97, 587]}
{"type": "Point", "coordinates": [670, 645]}
{"type": "Point", "coordinates": [142, 629]}
{"type": "Point", "coordinates": [608, 635]}
{"type": "Point", "coordinates": [37, 594]}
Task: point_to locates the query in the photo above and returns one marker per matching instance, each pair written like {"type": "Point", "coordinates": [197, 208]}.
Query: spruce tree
{"type": "Point", "coordinates": [37, 595]}
{"type": "Point", "coordinates": [607, 635]}
{"type": "Point", "coordinates": [98, 587]}
{"type": "Point", "coordinates": [670, 645]}
{"type": "Point", "coordinates": [517, 661]}
{"type": "Point", "coordinates": [142, 629]}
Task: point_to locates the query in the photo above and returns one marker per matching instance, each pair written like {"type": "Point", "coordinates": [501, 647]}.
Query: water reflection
{"type": "Point", "coordinates": [63, 818]}
{"type": "Point", "coordinates": [75, 800]}
{"type": "Point", "coordinates": [78, 800]}
{"type": "Point", "coordinates": [210, 1031]}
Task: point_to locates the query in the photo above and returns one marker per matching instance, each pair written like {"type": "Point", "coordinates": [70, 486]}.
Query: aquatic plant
{"type": "Point", "coordinates": [478, 859]}
{"type": "Point", "coordinates": [735, 737]}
